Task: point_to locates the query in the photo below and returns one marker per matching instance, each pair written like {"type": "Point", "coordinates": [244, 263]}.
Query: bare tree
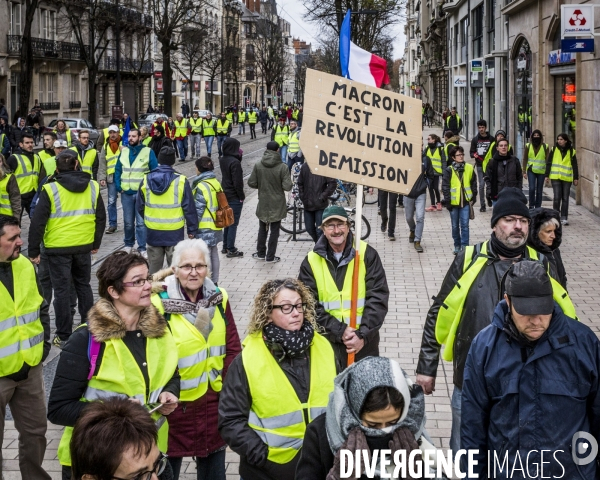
{"type": "Point", "coordinates": [26, 72]}
{"type": "Point", "coordinates": [191, 56]}
{"type": "Point", "coordinates": [327, 56]}
{"type": "Point", "coordinates": [272, 60]}
{"type": "Point", "coordinates": [212, 57]}
{"type": "Point", "coordinates": [302, 63]}
{"type": "Point", "coordinates": [137, 65]}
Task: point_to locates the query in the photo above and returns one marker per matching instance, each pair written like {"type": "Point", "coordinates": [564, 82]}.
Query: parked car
{"type": "Point", "coordinates": [75, 125]}
{"type": "Point", "coordinates": [147, 119]}
{"type": "Point", "coordinates": [203, 113]}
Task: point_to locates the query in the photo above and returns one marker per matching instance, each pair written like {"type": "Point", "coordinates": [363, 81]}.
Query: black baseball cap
{"type": "Point", "coordinates": [529, 288]}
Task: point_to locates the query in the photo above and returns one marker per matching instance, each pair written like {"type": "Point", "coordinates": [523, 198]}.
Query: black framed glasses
{"type": "Point", "coordinates": [158, 469]}
{"type": "Point", "coordinates": [288, 308]}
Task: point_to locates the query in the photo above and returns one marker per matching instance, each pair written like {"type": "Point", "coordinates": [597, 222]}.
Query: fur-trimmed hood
{"type": "Point", "coordinates": [538, 217]}
{"type": "Point", "coordinates": [158, 279]}
{"type": "Point", "coordinates": [104, 322]}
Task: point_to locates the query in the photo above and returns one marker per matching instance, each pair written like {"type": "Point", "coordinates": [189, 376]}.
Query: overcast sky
{"type": "Point", "coordinates": [293, 11]}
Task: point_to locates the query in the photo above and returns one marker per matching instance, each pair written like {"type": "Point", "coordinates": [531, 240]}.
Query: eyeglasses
{"type": "Point", "coordinates": [189, 268]}
{"type": "Point", "coordinates": [301, 308]}
{"type": "Point", "coordinates": [140, 282]}
{"type": "Point", "coordinates": [158, 469]}
{"type": "Point", "coordinates": [333, 226]}
{"type": "Point", "coordinates": [514, 220]}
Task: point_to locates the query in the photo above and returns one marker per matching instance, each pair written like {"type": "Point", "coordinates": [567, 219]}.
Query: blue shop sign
{"type": "Point", "coordinates": [577, 45]}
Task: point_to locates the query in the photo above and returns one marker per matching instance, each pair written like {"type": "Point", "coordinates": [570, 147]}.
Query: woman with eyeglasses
{"type": "Point", "coordinates": [459, 187]}
{"type": "Point", "coordinates": [200, 318]}
{"type": "Point", "coordinates": [279, 384]}
{"type": "Point", "coordinates": [116, 440]}
{"type": "Point", "coordinates": [126, 350]}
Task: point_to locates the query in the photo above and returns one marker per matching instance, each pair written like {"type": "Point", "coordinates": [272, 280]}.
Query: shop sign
{"type": "Point", "coordinates": [490, 73]}
{"type": "Point", "coordinates": [196, 86]}
{"type": "Point", "coordinates": [417, 91]}
{"type": "Point", "coordinates": [577, 20]}
{"type": "Point", "coordinates": [460, 81]}
{"type": "Point", "coordinates": [476, 66]}
{"type": "Point", "coordinates": [159, 85]}
{"type": "Point", "coordinates": [558, 57]}
{"type": "Point", "coordinates": [157, 74]}
{"type": "Point", "coordinates": [577, 45]}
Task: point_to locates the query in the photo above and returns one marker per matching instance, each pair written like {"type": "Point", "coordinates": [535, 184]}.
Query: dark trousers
{"type": "Point", "coordinates": [252, 130]}
{"type": "Point", "coordinates": [26, 205]}
{"type": "Point", "coordinates": [263, 126]}
{"type": "Point", "coordinates": [44, 276]}
{"type": "Point", "coordinates": [65, 269]}
{"type": "Point", "coordinates": [312, 221]}
{"type": "Point", "coordinates": [560, 203]}
{"type": "Point", "coordinates": [434, 190]}
{"type": "Point", "coordinates": [536, 188]}
{"type": "Point", "coordinates": [207, 468]}
{"type": "Point", "coordinates": [230, 232]}
{"type": "Point", "coordinates": [261, 241]}
{"type": "Point", "coordinates": [388, 200]}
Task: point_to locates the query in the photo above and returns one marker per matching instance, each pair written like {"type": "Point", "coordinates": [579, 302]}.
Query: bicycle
{"type": "Point", "coordinates": [293, 223]}
{"type": "Point", "coordinates": [366, 226]}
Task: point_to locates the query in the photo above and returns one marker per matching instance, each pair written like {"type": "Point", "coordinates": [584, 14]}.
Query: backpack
{"type": "Point", "coordinates": [224, 215]}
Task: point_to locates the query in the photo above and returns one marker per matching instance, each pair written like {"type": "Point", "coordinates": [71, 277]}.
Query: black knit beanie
{"type": "Point", "coordinates": [511, 201]}
{"type": "Point", "coordinates": [166, 156]}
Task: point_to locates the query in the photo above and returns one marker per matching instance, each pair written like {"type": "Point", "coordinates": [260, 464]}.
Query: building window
{"type": "Point", "coordinates": [249, 53]}
{"type": "Point", "coordinates": [464, 35]}
{"type": "Point", "coordinates": [412, 31]}
{"type": "Point", "coordinates": [47, 90]}
{"type": "Point", "coordinates": [478, 32]}
{"type": "Point", "coordinates": [104, 99]}
{"type": "Point", "coordinates": [15, 18]}
{"type": "Point", "coordinates": [47, 24]}
{"type": "Point", "coordinates": [74, 88]}
{"type": "Point", "coordinates": [491, 21]}
{"type": "Point", "coordinates": [249, 72]}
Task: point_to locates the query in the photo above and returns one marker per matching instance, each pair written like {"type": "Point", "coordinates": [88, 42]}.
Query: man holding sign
{"type": "Point", "coordinates": [328, 270]}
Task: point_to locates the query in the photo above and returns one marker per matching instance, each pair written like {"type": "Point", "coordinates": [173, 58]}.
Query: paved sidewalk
{"type": "Point", "coordinates": [413, 279]}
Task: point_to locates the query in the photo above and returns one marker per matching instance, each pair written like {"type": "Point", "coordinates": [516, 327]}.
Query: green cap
{"type": "Point", "coordinates": [334, 211]}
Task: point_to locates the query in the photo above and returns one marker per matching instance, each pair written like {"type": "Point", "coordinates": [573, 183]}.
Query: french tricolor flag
{"type": "Point", "coordinates": [358, 64]}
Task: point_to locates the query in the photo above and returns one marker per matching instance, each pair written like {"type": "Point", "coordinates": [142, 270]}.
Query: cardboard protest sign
{"type": "Point", "coordinates": [361, 134]}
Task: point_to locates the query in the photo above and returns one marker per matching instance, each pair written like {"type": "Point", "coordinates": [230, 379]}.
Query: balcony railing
{"type": "Point", "coordinates": [109, 64]}
{"type": "Point", "coordinates": [127, 15]}
{"type": "Point", "coordinates": [44, 48]}
{"type": "Point", "coordinates": [75, 104]}
{"type": "Point", "coordinates": [50, 106]}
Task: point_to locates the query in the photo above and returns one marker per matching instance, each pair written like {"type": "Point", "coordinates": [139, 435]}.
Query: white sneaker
{"type": "Point", "coordinates": [127, 249]}
{"type": "Point", "coordinates": [144, 254]}
{"type": "Point", "coordinates": [564, 221]}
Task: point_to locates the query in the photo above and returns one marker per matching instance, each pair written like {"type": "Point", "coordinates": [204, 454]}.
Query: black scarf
{"type": "Point", "coordinates": [536, 141]}
{"type": "Point", "coordinates": [286, 343]}
{"type": "Point", "coordinates": [500, 249]}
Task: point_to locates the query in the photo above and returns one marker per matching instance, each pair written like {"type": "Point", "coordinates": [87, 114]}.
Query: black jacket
{"type": "Point", "coordinates": [231, 170]}
{"type": "Point", "coordinates": [75, 182]}
{"type": "Point", "coordinates": [427, 175]}
{"type": "Point", "coordinates": [502, 172]}
{"type": "Point", "coordinates": [376, 301]}
{"type": "Point", "coordinates": [7, 280]}
{"type": "Point", "coordinates": [538, 217]}
{"type": "Point", "coordinates": [13, 162]}
{"type": "Point", "coordinates": [479, 147]}
{"type": "Point", "coordinates": [446, 187]}
{"type": "Point", "coordinates": [478, 312]}
{"type": "Point", "coordinates": [157, 143]}
{"type": "Point", "coordinates": [314, 190]}
{"type": "Point", "coordinates": [317, 458]}
{"type": "Point", "coordinates": [234, 407]}
{"type": "Point", "coordinates": [15, 135]}
{"type": "Point", "coordinates": [454, 123]}
{"type": "Point", "coordinates": [263, 116]}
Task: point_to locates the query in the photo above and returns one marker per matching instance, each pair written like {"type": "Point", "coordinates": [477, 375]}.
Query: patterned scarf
{"type": "Point", "coordinates": [286, 343]}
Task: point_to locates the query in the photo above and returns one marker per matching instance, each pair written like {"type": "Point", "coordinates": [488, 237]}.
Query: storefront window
{"type": "Point", "coordinates": [523, 96]}
{"type": "Point", "coordinates": [566, 97]}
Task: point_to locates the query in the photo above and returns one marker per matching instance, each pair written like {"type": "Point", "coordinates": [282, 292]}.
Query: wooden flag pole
{"type": "Point", "coordinates": [357, 233]}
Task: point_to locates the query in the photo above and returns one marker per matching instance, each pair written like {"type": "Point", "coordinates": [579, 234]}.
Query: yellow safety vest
{"type": "Point", "coordinates": [27, 175]}
{"type": "Point", "coordinates": [562, 168]}
{"type": "Point", "coordinates": [111, 158]}
{"type": "Point", "coordinates": [72, 219]}
{"type": "Point", "coordinates": [201, 360]}
{"type": "Point", "coordinates": [181, 128]}
{"type": "Point", "coordinates": [207, 221]}
{"type": "Point", "coordinates": [252, 117]}
{"type": "Point", "coordinates": [455, 185]}
{"type": "Point", "coordinates": [120, 376]}
{"type": "Point", "coordinates": [282, 135]}
{"type": "Point", "coordinates": [241, 117]}
{"type": "Point", "coordinates": [337, 303]}
{"type": "Point", "coordinates": [222, 128]}
{"type": "Point", "coordinates": [43, 157]}
{"type": "Point", "coordinates": [488, 155]}
{"type": "Point", "coordinates": [133, 174]}
{"type": "Point", "coordinates": [146, 141]}
{"type": "Point", "coordinates": [446, 148]}
{"type": "Point", "coordinates": [295, 114]}
{"type": "Point", "coordinates": [450, 313]}
{"type": "Point", "coordinates": [294, 142]}
{"type": "Point", "coordinates": [196, 124]}
{"type": "Point", "coordinates": [2, 137]}
{"type": "Point", "coordinates": [436, 158]}
{"type": "Point", "coordinates": [68, 135]}
{"type": "Point", "coordinates": [208, 128]}
{"type": "Point", "coordinates": [88, 160]}
{"type": "Point", "coordinates": [5, 206]}
{"type": "Point", "coordinates": [50, 165]}
{"type": "Point", "coordinates": [229, 117]}
{"type": "Point", "coordinates": [270, 112]}
{"type": "Point", "coordinates": [22, 332]}
{"type": "Point", "coordinates": [164, 212]}
{"type": "Point", "coordinates": [276, 414]}
{"type": "Point", "coordinates": [537, 162]}
{"type": "Point", "coordinates": [448, 119]}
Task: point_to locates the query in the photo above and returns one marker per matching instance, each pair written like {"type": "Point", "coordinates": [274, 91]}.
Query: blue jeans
{"type": "Point", "coordinates": [182, 146]}
{"type": "Point", "coordinates": [456, 406]}
{"type": "Point", "coordinates": [220, 140]}
{"type": "Point", "coordinates": [112, 204]}
{"type": "Point", "coordinates": [415, 208]}
{"type": "Point", "coordinates": [460, 225]}
{"type": "Point", "coordinates": [209, 141]}
{"type": "Point", "coordinates": [207, 468]}
{"type": "Point", "coordinates": [134, 223]}
{"type": "Point", "coordinates": [195, 142]}
{"type": "Point", "coordinates": [241, 128]}
{"type": "Point", "coordinates": [230, 232]}
{"type": "Point", "coordinates": [536, 188]}
{"type": "Point", "coordinates": [283, 153]}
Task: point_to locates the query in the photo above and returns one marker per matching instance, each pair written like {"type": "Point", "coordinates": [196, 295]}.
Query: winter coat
{"type": "Point", "coordinates": [563, 152]}
{"type": "Point", "coordinates": [193, 425]}
{"type": "Point", "coordinates": [272, 179]}
{"type": "Point", "coordinates": [31, 120]}
{"type": "Point", "coordinates": [446, 187]}
{"type": "Point", "coordinates": [5, 147]}
{"type": "Point", "coordinates": [503, 172]}
{"type": "Point", "coordinates": [538, 217]}
{"type": "Point", "coordinates": [478, 311]}
{"type": "Point", "coordinates": [211, 237]}
{"type": "Point", "coordinates": [133, 153]}
{"type": "Point", "coordinates": [522, 398]}
{"type": "Point", "coordinates": [157, 143]}
{"type": "Point", "coordinates": [13, 162]}
{"type": "Point", "coordinates": [76, 182]}
{"type": "Point", "coordinates": [263, 116]}
{"type": "Point", "coordinates": [15, 135]}
{"type": "Point", "coordinates": [376, 301]}
{"type": "Point", "coordinates": [232, 175]}
{"type": "Point", "coordinates": [159, 181]}
{"type": "Point", "coordinates": [3, 113]}
{"type": "Point", "coordinates": [479, 147]}
{"type": "Point", "coordinates": [315, 190]}
{"type": "Point", "coordinates": [12, 188]}
{"type": "Point", "coordinates": [234, 408]}
{"type": "Point", "coordinates": [454, 123]}
{"type": "Point", "coordinates": [420, 187]}
{"type": "Point", "coordinates": [104, 323]}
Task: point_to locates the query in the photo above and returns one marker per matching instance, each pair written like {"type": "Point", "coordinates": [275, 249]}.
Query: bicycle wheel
{"type": "Point", "coordinates": [342, 198]}
{"type": "Point", "coordinates": [370, 198]}
{"type": "Point", "coordinates": [365, 228]}
{"type": "Point", "coordinates": [289, 223]}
